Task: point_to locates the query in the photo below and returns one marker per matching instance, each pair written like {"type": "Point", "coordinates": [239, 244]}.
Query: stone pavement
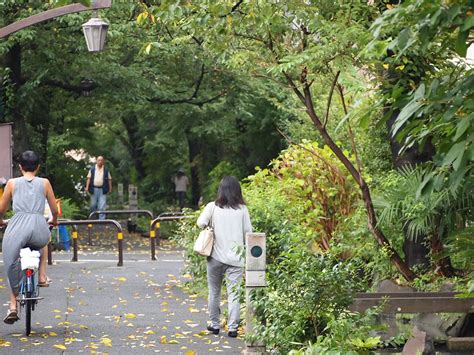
{"type": "Point", "coordinates": [93, 306]}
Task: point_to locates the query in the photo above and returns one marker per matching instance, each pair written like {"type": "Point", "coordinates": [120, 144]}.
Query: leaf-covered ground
{"type": "Point", "coordinates": [93, 306]}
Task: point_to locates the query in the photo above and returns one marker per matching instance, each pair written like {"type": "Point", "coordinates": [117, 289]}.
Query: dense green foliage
{"type": "Point", "coordinates": [374, 100]}
{"type": "Point", "coordinates": [434, 97]}
{"type": "Point", "coordinates": [148, 114]}
{"type": "Point", "coordinates": [308, 291]}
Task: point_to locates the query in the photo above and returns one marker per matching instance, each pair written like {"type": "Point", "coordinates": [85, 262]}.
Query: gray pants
{"type": "Point", "coordinates": [215, 275]}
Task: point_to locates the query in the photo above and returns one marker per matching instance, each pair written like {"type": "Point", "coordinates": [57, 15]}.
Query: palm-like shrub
{"type": "Point", "coordinates": [441, 213]}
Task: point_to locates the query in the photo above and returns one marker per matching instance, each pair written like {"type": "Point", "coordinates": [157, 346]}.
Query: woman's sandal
{"type": "Point", "coordinates": [12, 316]}
{"type": "Point", "coordinates": [44, 283]}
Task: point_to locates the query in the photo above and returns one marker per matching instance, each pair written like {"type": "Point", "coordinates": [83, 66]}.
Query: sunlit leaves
{"type": "Point", "coordinates": [313, 181]}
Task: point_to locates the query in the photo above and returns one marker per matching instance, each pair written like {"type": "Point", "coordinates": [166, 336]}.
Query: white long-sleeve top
{"type": "Point", "coordinates": [230, 227]}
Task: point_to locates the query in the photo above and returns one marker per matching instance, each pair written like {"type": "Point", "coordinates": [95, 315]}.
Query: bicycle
{"type": "Point", "coordinates": [28, 295]}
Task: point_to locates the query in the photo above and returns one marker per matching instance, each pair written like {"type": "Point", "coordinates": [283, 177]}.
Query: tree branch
{"type": "Point", "coordinates": [351, 134]}
{"type": "Point", "coordinates": [294, 87]}
{"type": "Point", "coordinates": [367, 198]}
{"type": "Point", "coordinates": [246, 36]}
{"type": "Point", "coordinates": [198, 41]}
{"type": "Point", "coordinates": [234, 8]}
{"type": "Point", "coordinates": [120, 137]}
{"type": "Point", "coordinates": [168, 32]}
{"type": "Point", "coordinates": [312, 152]}
{"type": "Point", "coordinates": [330, 97]}
{"type": "Point", "coordinates": [198, 82]}
{"type": "Point", "coordinates": [78, 89]}
{"type": "Point", "coordinates": [192, 99]}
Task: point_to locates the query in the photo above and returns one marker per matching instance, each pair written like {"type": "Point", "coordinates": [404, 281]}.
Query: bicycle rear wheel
{"type": "Point", "coordinates": [29, 306]}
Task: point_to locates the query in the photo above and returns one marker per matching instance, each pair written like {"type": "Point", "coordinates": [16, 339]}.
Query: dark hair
{"type": "Point", "coordinates": [229, 193]}
{"type": "Point", "coordinates": [29, 160]}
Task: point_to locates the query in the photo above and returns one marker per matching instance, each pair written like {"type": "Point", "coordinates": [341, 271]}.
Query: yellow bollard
{"type": "Point", "coordinates": [120, 248]}
{"type": "Point", "coordinates": [152, 241]}
{"type": "Point", "coordinates": [74, 245]}
{"type": "Point", "coordinates": [89, 234]}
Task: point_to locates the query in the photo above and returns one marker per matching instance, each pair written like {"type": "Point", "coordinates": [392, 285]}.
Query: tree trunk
{"type": "Point", "coordinates": [21, 141]}
{"type": "Point", "coordinates": [417, 249]}
{"type": "Point", "coordinates": [443, 263]}
{"type": "Point", "coordinates": [136, 145]}
{"type": "Point", "coordinates": [194, 148]}
{"type": "Point", "coordinates": [371, 216]}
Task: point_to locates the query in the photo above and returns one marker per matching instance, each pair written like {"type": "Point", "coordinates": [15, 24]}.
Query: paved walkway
{"type": "Point", "coordinates": [93, 306]}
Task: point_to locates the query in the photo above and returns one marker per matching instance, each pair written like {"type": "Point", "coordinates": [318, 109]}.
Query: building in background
{"type": "Point", "coordinates": [6, 159]}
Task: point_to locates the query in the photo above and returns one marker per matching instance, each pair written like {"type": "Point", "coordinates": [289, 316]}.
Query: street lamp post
{"type": "Point", "coordinates": [95, 27]}
{"type": "Point", "coordinates": [95, 32]}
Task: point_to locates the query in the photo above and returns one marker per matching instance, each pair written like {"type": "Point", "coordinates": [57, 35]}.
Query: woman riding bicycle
{"type": "Point", "coordinates": [27, 227]}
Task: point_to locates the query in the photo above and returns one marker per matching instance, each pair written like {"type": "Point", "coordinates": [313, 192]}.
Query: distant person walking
{"type": "Point", "coordinates": [99, 184]}
{"type": "Point", "coordinates": [181, 183]}
{"type": "Point", "coordinates": [230, 218]}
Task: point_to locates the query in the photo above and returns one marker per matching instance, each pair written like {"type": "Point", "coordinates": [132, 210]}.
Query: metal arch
{"type": "Point", "coordinates": [50, 14]}
{"type": "Point", "coordinates": [93, 221]}
{"type": "Point", "coordinates": [167, 218]}
{"type": "Point", "coordinates": [117, 225]}
{"type": "Point", "coordinates": [147, 212]}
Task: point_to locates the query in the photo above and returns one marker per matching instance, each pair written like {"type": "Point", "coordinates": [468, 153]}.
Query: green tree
{"type": "Point", "coordinates": [427, 88]}
{"type": "Point", "coordinates": [157, 110]}
{"type": "Point", "coordinates": [303, 46]}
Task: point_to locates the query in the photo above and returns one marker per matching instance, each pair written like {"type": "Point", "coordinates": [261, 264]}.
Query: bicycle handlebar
{"type": "Point", "coordinates": [5, 224]}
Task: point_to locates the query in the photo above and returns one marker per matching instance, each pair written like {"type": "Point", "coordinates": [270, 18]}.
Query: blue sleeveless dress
{"type": "Point", "coordinates": [27, 228]}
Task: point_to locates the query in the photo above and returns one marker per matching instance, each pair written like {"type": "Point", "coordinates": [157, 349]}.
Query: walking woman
{"type": "Point", "coordinates": [231, 221]}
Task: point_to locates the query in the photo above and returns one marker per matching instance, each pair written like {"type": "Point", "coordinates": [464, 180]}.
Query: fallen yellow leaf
{"type": "Point", "coordinates": [60, 346]}
{"type": "Point", "coordinates": [106, 342]}
{"type": "Point", "coordinates": [5, 343]}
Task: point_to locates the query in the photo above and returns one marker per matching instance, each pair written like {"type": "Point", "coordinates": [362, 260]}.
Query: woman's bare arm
{"type": "Point", "coordinates": [51, 201]}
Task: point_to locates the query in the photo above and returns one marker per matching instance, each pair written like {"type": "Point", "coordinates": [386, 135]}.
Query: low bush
{"type": "Point", "coordinates": [318, 251]}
